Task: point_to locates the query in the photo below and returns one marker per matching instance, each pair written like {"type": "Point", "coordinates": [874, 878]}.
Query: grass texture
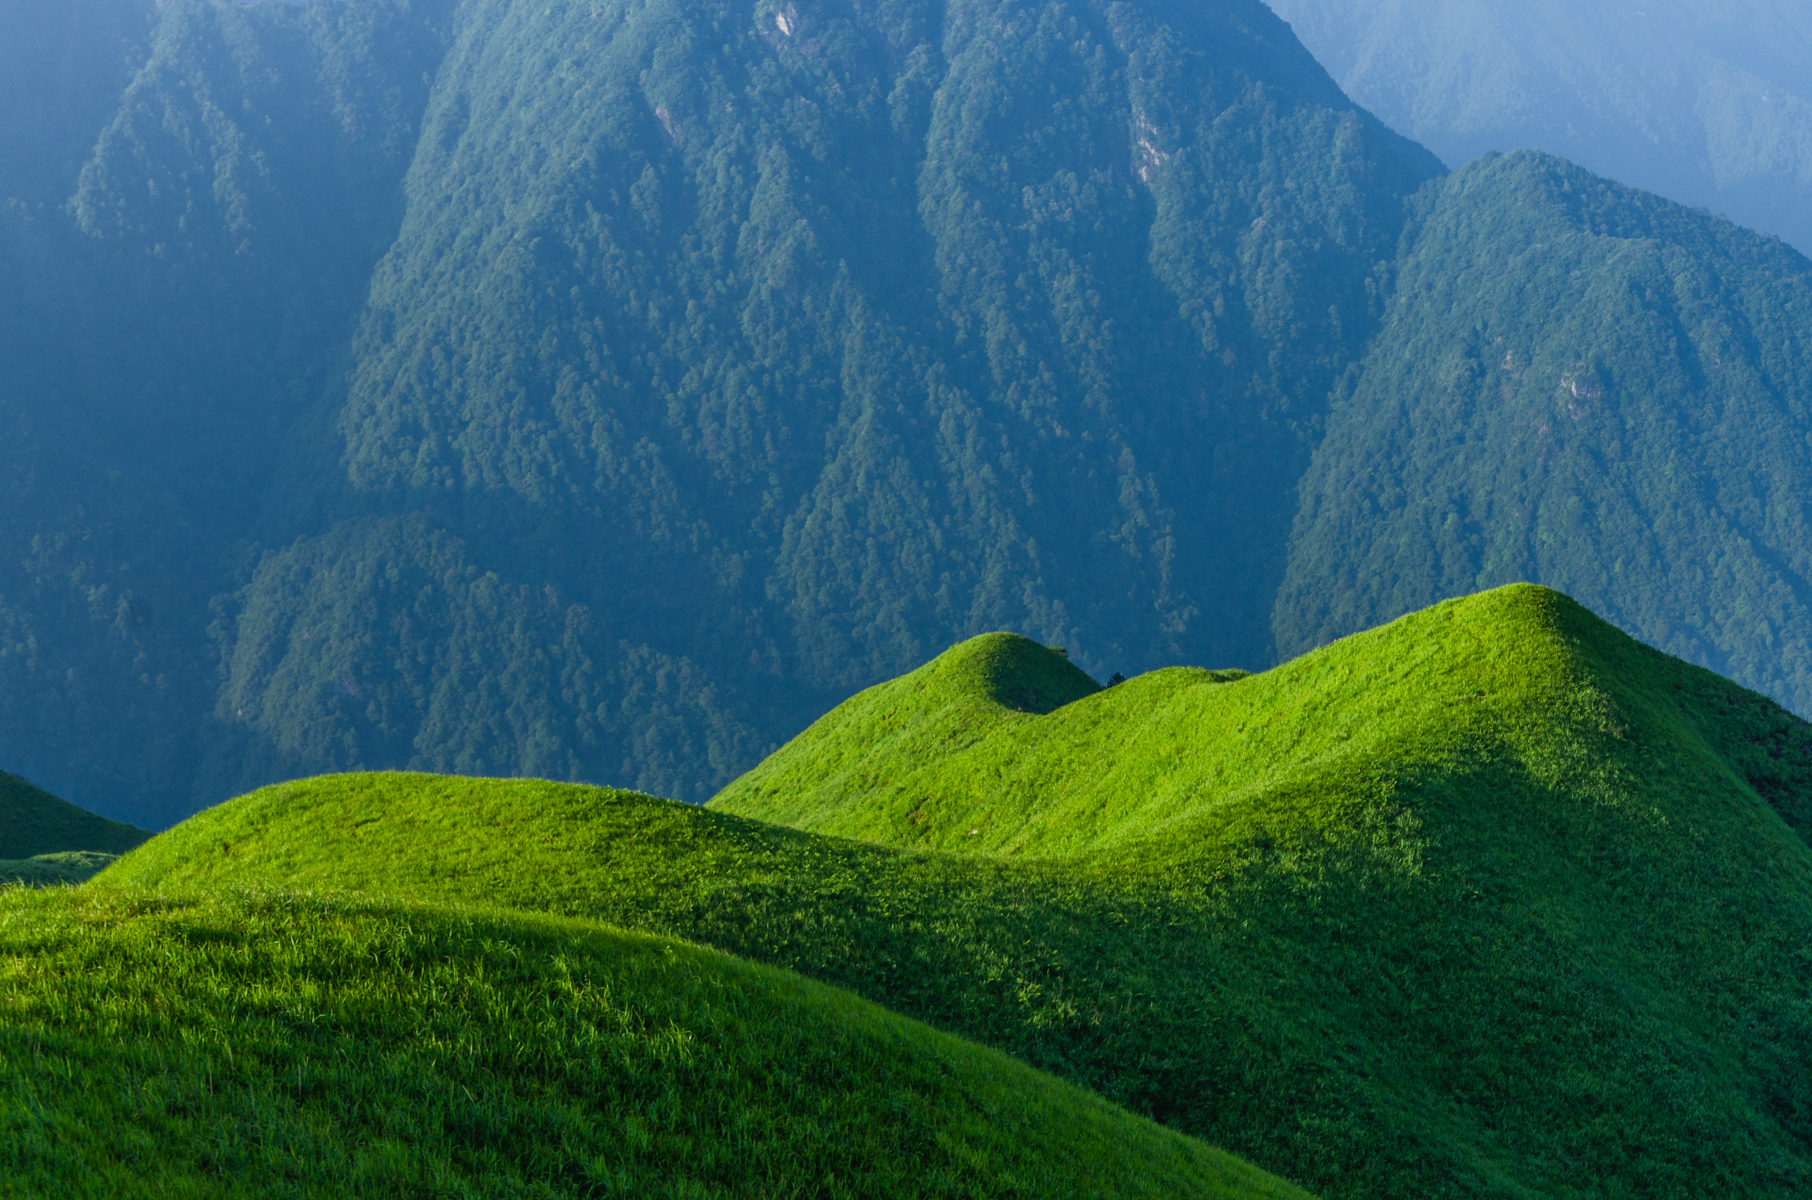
{"type": "Point", "coordinates": [270, 1045]}
{"type": "Point", "coordinates": [1491, 901]}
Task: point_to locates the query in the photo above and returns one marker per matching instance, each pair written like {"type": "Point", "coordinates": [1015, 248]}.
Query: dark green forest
{"type": "Point", "coordinates": [602, 390]}
{"type": "Point", "coordinates": [1582, 384]}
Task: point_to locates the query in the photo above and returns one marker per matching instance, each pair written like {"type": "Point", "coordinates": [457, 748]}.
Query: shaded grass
{"type": "Point", "coordinates": [70, 866]}
{"type": "Point", "coordinates": [33, 822]}
{"type": "Point", "coordinates": [1491, 901]}
{"type": "Point", "coordinates": [270, 1045]}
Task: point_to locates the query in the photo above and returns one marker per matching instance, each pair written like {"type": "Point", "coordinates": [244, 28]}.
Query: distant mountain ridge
{"type": "Point", "coordinates": [605, 390]}
{"type": "Point", "coordinates": [1578, 383]}
{"type": "Point", "coordinates": [1707, 103]}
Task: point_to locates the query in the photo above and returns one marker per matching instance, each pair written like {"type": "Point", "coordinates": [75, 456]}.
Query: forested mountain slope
{"type": "Point", "coordinates": [800, 340]}
{"type": "Point", "coordinates": [727, 357]}
{"type": "Point", "coordinates": [1582, 384]}
{"type": "Point", "coordinates": [180, 284]}
{"type": "Point", "coordinates": [1493, 901]}
{"type": "Point", "coordinates": [605, 390]}
{"type": "Point", "coordinates": [1708, 102]}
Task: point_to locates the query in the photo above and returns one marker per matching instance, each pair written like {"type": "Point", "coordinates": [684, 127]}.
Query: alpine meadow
{"type": "Point", "coordinates": [909, 598]}
{"type": "Point", "coordinates": [1491, 901]}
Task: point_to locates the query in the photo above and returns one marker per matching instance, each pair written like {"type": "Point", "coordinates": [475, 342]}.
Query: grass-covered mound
{"type": "Point", "coordinates": [69, 866]}
{"type": "Point", "coordinates": [1520, 678]}
{"type": "Point", "coordinates": [1489, 901]}
{"type": "Point", "coordinates": [34, 822]}
{"type": "Point", "coordinates": [259, 1045]}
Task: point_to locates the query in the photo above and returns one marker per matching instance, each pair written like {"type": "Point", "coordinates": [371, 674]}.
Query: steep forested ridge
{"type": "Point", "coordinates": [1579, 383]}
{"type": "Point", "coordinates": [835, 339]}
{"type": "Point", "coordinates": [602, 390]}
{"type": "Point", "coordinates": [728, 358]}
{"type": "Point", "coordinates": [180, 284]}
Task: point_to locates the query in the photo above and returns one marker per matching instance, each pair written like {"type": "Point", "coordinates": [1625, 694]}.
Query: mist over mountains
{"type": "Point", "coordinates": [1707, 102]}
{"type": "Point", "coordinates": [603, 390]}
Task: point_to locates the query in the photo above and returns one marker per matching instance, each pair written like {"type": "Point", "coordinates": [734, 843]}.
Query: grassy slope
{"type": "Point", "coordinates": [1521, 677]}
{"type": "Point", "coordinates": [34, 822]}
{"type": "Point", "coordinates": [70, 866]}
{"type": "Point", "coordinates": [1489, 901]}
{"type": "Point", "coordinates": [258, 1045]}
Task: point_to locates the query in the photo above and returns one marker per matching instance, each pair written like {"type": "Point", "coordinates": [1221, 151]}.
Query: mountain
{"type": "Point", "coordinates": [263, 1045]}
{"type": "Point", "coordinates": [604, 391]}
{"type": "Point", "coordinates": [800, 341]}
{"type": "Point", "coordinates": [1705, 103]}
{"type": "Point", "coordinates": [186, 246]}
{"type": "Point", "coordinates": [1491, 901]}
{"type": "Point", "coordinates": [1578, 383]}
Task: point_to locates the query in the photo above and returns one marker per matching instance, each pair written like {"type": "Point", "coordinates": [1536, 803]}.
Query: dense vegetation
{"type": "Point", "coordinates": [770, 449]}
{"type": "Point", "coordinates": [604, 389]}
{"type": "Point", "coordinates": [250, 1045]}
{"type": "Point", "coordinates": [1704, 103]}
{"type": "Point", "coordinates": [1493, 901]}
{"type": "Point", "coordinates": [1585, 385]}
{"type": "Point", "coordinates": [795, 343]}
{"type": "Point", "coordinates": [187, 234]}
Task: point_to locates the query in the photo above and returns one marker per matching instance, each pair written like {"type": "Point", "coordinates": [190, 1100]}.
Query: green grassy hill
{"type": "Point", "coordinates": [1521, 678]}
{"type": "Point", "coordinates": [1492, 901]}
{"type": "Point", "coordinates": [33, 822]}
{"type": "Point", "coordinates": [260, 1045]}
{"type": "Point", "coordinates": [73, 866]}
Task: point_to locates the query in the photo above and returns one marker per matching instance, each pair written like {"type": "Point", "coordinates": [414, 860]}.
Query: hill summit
{"type": "Point", "coordinates": [1489, 901]}
{"type": "Point", "coordinates": [929, 757]}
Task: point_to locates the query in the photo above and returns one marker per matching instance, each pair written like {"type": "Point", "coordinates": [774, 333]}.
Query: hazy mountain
{"type": "Point", "coordinates": [725, 359]}
{"type": "Point", "coordinates": [604, 390]}
{"type": "Point", "coordinates": [171, 312]}
{"type": "Point", "coordinates": [1578, 383]}
{"type": "Point", "coordinates": [1708, 102]}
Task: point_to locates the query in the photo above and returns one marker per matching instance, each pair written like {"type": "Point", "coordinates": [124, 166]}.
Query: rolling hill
{"type": "Point", "coordinates": [34, 822]}
{"type": "Point", "coordinates": [1491, 901]}
{"type": "Point", "coordinates": [261, 1045]}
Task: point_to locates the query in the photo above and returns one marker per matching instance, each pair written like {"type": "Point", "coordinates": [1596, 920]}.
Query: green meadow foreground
{"type": "Point", "coordinates": [260, 1045]}
{"type": "Point", "coordinates": [1491, 901]}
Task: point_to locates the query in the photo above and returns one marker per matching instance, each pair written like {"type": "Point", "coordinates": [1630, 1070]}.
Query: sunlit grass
{"type": "Point", "coordinates": [1491, 901]}
{"type": "Point", "coordinates": [266, 1045]}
